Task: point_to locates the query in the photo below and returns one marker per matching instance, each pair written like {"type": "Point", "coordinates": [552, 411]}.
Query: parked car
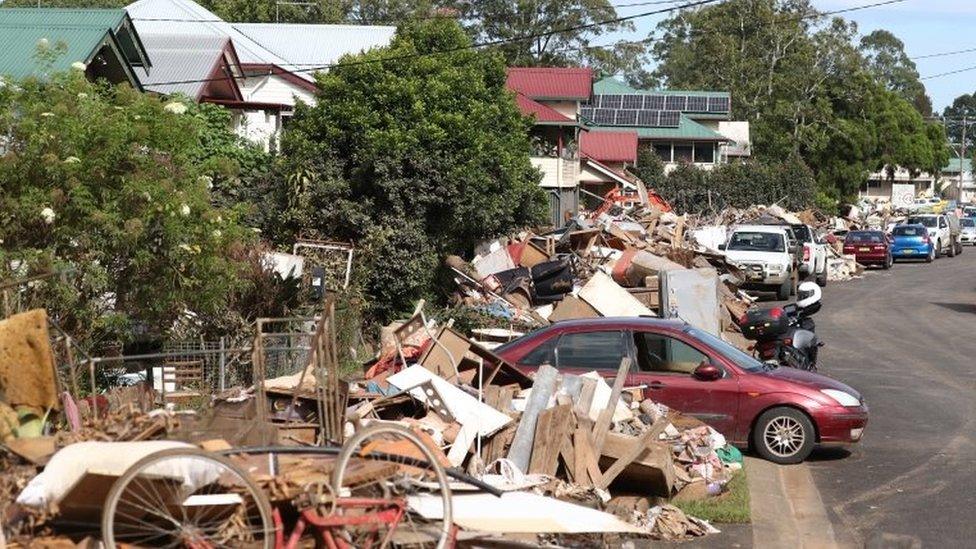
{"type": "Point", "coordinates": [931, 204]}
{"type": "Point", "coordinates": [869, 248]}
{"type": "Point", "coordinates": [912, 242]}
{"type": "Point", "coordinates": [765, 254]}
{"type": "Point", "coordinates": [781, 413]}
{"type": "Point", "coordinates": [968, 231]}
{"type": "Point", "coordinates": [940, 231]}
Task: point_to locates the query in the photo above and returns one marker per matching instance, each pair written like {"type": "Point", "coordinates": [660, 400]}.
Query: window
{"type": "Point", "coordinates": [541, 354]}
{"type": "Point", "coordinates": [757, 242]}
{"type": "Point", "coordinates": [705, 153]}
{"type": "Point", "coordinates": [591, 350]}
{"type": "Point", "coordinates": [903, 230]}
{"type": "Point", "coordinates": [928, 221]}
{"type": "Point", "coordinates": [663, 150]}
{"type": "Point", "coordinates": [684, 153]}
{"type": "Point", "coordinates": [660, 353]}
{"type": "Point", "coordinates": [865, 237]}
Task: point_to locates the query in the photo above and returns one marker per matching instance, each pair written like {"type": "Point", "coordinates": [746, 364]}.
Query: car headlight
{"type": "Point", "coordinates": [775, 268]}
{"type": "Point", "coordinates": [842, 398]}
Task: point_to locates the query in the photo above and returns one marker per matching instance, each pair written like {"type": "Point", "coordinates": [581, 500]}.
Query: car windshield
{"type": "Point", "coordinates": [864, 238]}
{"type": "Point", "coordinates": [740, 358]}
{"type": "Point", "coordinates": [927, 221]}
{"type": "Point", "coordinates": [757, 242]}
{"type": "Point", "coordinates": [903, 230]}
{"type": "Point", "coordinates": [968, 222]}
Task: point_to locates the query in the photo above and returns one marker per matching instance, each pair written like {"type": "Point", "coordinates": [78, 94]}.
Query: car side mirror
{"type": "Point", "coordinates": [706, 371]}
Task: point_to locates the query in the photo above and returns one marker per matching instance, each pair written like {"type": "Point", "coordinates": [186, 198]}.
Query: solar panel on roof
{"type": "Point", "coordinates": [626, 117]}
{"type": "Point", "coordinates": [718, 104]}
{"type": "Point", "coordinates": [654, 102]}
{"type": "Point", "coordinates": [697, 103]}
{"type": "Point", "coordinates": [586, 113]}
{"type": "Point", "coordinates": [648, 118]}
{"type": "Point", "coordinates": [611, 101]}
{"type": "Point", "coordinates": [633, 101]}
{"type": "Point", "coordinates": [670, 119]}
{"type": "Point", "coordinates": [675, 102]}
{"type": "Point", "coordinates": [603, 116]}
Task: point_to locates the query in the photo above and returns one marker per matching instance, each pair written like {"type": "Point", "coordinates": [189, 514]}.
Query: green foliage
{"type": "Point", "coordinates": [962, 106]}
{"type": "Point", "coordinates": [66, 3]}
{"type": "Point", "coordinates": [689, 189]}
{"type": "Point", "coordinates": [104, 185]}
{"type": "Point", "coordinates": [411, 159]}
{"type": "Point", "coordinates": [804, 86]}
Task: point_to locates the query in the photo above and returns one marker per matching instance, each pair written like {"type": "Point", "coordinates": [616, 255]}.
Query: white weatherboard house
{"type": "Point", "coordinates": [272, 66]}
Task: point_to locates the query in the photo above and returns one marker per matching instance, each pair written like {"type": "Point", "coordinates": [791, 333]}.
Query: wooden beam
{"type": "Point", "coordinates": [605, 419]}
{"type": "Point", "coordinates": [636, 449]}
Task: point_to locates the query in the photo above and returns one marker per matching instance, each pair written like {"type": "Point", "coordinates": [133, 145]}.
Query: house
{"type": "Point", "coordinates": [681, 126]}
{"type": "Point", "coordinates": [273, 65]}
{"type": "Point", "coordinates": [957, 180]}
{"type": "Point", "coordinates": [104, 40]}
{"type": "Point", "coordinates": [879, 185]}
{"type": "Point", "coordinates": [552, 96]}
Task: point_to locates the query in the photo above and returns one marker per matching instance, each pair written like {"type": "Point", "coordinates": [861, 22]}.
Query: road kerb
{"type": "Point", "coordinates": [786, 507]}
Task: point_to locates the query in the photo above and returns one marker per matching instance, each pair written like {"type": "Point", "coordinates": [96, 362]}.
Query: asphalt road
{"type": "Point", "coordinates": [905, 338]}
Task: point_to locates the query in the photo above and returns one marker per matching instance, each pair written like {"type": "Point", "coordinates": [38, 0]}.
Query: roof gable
{"type": "Point", "coordinates": [543, 114]}
{"type": "Point", "coordinates": [609, 146]}
{"type": "Point", "coordinates": [552, 83]}
{"type": "Point", "coordinates": [198, 66]}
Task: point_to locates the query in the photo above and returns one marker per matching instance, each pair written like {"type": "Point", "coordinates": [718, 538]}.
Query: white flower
{"type": "Point", "coordinates": [185, 210]}
{"type": "Point", "coordinates": [220, 219]}
{"type": "Point", "coordinates": [43, 43]}
{"type": "Point", "coordinates": [82, 95]}
{"type": "Point", "coordinates": [79, 66]}
{"type": "Point", "coordinates": [255, 230]}
{"type": "Point", "coordinates": [217, 233]}
{"type": "Point", "coordinates": [175, 107]}
{"type": "Point", "coordinates": [206, 180]}
{"type": "Point", "coordinates": [147, 196]}
{"type": "Point", "coordinates": [72, 160]}
{"type": "Point", "coordinates": [47, 114]}
{"type": "Point", "coordinates": [47, 214]}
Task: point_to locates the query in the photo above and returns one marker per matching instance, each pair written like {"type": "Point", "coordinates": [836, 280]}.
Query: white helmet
{"type": "Point", "coordinates": [807, 295]}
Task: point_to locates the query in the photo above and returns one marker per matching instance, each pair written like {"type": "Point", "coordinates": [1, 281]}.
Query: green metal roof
{"type": "Point", "coordinates": [687, 130]}
{"type": "Point", "coordinates": [954, 163]}
{"type": "Point", "coordinates": [84, 32]}
{"type": "Point", "coordinates": [611, 85]}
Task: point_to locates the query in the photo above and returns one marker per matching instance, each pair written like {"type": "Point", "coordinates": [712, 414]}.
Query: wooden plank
{"type": "Point", "coordinates": [636, 449]}
{"type": "Point", "coordinates": [586, 469]}
{"type": "Point", "coordinates": [568, 454]}
{"type": "Point", "coordinates": [587, 388]}
{"type": "Point", "coordinates": [550, 432]}
{"type": "Point", "coordinates": [603, 422]}
{"type": "Point", "coordinates": [545, 385]}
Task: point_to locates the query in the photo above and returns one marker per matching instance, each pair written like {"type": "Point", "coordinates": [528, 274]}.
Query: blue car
{"type": "Point", "coordinates": [912, 242]}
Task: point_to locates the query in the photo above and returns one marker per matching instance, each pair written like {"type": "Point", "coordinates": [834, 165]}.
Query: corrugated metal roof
{"type": "Point", "coordinates": [611, 85]}
{"type": "Point", "coordinates": [101, 18]}
{"type": "Point", "coordinates": [18, 47]}
{"type": "Point", "coordinates": [295, 48]}
{"type": "Point", "coordinates": [543, 114]}
{"type": "Point", "coordinates": [955, 163]}
{"type": "Point", "coordinates": [609, 146]}
{"type": "Point", "coordinates": [179, 58]}
{"type": "Point", "coordinates": [551, 82]}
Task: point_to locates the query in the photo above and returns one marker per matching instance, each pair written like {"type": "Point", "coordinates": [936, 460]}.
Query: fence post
{"type": "Point", "coordinates": [223, 365]}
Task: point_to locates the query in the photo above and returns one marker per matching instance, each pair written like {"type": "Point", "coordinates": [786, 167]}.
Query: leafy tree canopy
{"type": "Point", "coordinates": [885, 56]}
{"type": "Point", "coordinates": [412, 159]}
{"type": "Point", "coordinates": [111, 187]}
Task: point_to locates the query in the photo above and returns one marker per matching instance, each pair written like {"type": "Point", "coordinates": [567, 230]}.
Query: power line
{"type": "Point", "coordinates": [948, 73]}
{"type": "Point", "coordinates": [943, 54]}
{"type": "Point", "coordinates": [478, 45]}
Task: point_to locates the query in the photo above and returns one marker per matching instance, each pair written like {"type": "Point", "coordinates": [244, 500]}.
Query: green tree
{"type": "Point", "coordinates": [412, 159]}
{"type": "Point", "coordinates": [103, 185]}
{"type": "Point", "coordinates": [885, 56]}
{"type": "Point", "coordinates": [962, 106]}
{"type": "Point", "coordinates": [65, 3]}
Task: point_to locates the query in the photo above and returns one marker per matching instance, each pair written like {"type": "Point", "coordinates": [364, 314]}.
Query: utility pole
{"type": "Point", "coordinates": [962, 158]}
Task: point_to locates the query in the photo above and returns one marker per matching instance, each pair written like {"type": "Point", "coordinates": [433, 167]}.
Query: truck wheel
{"type": "Point", "coordinates": [952, 249]}
{"type": "Point", "coordinates": [783, 435]}
{"type": "Point", "coordinates": [783, 292]}
{"type": "Point", "coordinates": [938, 249]}
{"type": "Point", "coordinates": [822, 278]}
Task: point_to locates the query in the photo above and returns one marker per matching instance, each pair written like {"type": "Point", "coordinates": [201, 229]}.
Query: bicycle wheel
{"type": "Point", "coordinates": [186, 497]}
{"type": "Point", "coordinates": [415, 476]}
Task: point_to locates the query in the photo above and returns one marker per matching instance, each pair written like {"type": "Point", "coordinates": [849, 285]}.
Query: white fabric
{"type": "Point", "coordinates": [69, 464]}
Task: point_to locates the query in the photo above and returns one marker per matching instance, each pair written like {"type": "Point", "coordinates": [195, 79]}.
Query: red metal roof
{"type": "Point", "coordinates": [551, 82]}
{"type": "Point", "coordinates": [609, 146]}
{"type": "Point", "coordinates": [543, 114]}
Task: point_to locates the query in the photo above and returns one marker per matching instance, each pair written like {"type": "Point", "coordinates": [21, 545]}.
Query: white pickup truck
{"type": "Point", "coordinates": [765, 256]}
{"type": "Point", "coordinates": [813, 262]}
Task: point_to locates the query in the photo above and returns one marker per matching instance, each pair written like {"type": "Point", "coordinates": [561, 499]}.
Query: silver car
{"type": "Point", "coordinates": [968, 236]}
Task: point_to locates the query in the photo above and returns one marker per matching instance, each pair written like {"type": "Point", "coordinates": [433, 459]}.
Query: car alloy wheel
{"type": "Point", "coordinates": [784, 436]}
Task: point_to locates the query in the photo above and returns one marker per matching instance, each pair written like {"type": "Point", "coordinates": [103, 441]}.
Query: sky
{"type": "Point", "coordinates": [925, 26]}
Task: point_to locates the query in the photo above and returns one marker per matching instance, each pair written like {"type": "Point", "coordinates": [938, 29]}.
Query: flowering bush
{"type": "Point", "coordinates": [110, 188]}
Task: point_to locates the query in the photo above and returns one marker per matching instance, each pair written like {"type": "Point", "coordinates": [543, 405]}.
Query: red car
{"type": "Point", "coordinates": [781, 413]}
{"type": "Point", "coordinates": [869, 248]}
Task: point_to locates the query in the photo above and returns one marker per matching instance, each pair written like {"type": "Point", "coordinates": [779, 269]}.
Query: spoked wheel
{"type": "Point", "coordinates": [381, 467]}
{"type": "Point", "coordinates": [186, 497]}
